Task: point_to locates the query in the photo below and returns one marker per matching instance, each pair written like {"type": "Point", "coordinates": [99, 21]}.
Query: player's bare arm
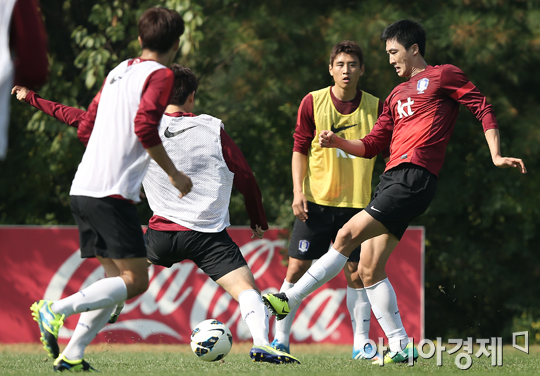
{"type": "Point", "coordinates": [299, 168]}
{"type": "Point", "coordinates": [328, 139]}
{"type": "Point", "coordinates": [492, 138]}
{"type": "Point", "coordinates": [181, 181]}
{"type": "Point", "coordinates": [21, 92]}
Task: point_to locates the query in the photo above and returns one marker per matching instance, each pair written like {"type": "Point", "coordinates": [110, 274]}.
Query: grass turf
{"type": "Point", "coordinates": [30, 359]}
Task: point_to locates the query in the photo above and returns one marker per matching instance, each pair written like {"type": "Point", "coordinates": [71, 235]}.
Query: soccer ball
{"type": "Point", "coordinates": [211, 340]}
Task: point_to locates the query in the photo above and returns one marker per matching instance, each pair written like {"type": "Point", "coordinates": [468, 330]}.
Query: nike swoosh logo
{"type": "Point", "coordinates": [170, 134]}
{"type": "Point", "coordinates": [336, 130]}
{"type": "Point", "coordinates": [221, 330]}
{"type": "Point", "coordinates": [372, 208]}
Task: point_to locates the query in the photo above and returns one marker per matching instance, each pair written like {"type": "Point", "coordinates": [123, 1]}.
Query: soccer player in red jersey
{"type": "Point", "coordinates": [120, 130]}
{"type": "Point", "coordinates": [417, 121]}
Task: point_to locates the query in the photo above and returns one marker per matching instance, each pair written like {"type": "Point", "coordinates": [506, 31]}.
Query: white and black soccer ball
{"type": "Point", "coordinates": [211, 340]}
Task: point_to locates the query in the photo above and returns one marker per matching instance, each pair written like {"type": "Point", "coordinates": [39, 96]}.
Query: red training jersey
{"type": "Point", "coordinates": [28, 39]}
{"type": "Point", "coordinates": [419, 116]}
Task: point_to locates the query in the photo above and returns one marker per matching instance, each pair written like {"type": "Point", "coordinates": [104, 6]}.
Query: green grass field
{"type": "Point", "coordinates": [316, 360]}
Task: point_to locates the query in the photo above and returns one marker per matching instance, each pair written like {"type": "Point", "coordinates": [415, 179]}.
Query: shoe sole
{"type": "Point", "coordinates": [257, 356]}
{"type": "Point", "coordinates": [50, 343]}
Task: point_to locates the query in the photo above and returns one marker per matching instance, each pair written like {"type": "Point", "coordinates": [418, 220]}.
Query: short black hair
{"type": "Point", "coordinates": [348, 47]}
{"type": "Point", "coordinates": [406, 33]}
{"type": "Point", "coordinates": [160, 28]}
{"type": "Point", "coordinates": [185, 83]}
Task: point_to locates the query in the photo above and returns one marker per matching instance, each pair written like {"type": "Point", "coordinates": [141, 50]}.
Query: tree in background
{"type": "Point", "coordinates": [256, 60]}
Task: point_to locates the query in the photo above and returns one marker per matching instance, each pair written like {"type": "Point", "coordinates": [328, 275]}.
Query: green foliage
{"type": "Point", "coordinates": [255, 62]}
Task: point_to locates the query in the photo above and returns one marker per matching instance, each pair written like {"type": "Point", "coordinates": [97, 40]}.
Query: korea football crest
{"type": "Point", "coordinates": [303, 246]}
{"type": "Point", "coordinates": [422, 85]}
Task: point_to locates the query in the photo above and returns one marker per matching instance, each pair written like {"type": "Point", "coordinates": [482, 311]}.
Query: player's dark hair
{"type": "Point", "coordinates": [160, 28]}
{"type": "Point", "coordinates": [350, 48]}
{"type": "Point", "coordinates": [185, 83]}
{"type": "Point", "coordinates": [406, 33]}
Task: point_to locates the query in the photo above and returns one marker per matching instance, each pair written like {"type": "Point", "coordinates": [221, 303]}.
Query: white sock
{"type": "Point", "coordinates": [255, 315]}
{"type": "Point", "coordinates": [283, 327]}
{"type": "Point", "coordinates": [322, 271]}
{"type": "Point", "coordinates": [384, 302]}
{"type": "Point", "coordinates": [380, 319]}
{"type": "Point", "coordinates": [360, 311]}
{"type": "Point", "coordinates": [89, 325]}
{"type": "Point", "coordinates": [99, 294]}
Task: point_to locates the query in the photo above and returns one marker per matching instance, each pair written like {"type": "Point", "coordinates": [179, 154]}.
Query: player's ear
{"type": "Point", "coordinates": [140, 41]}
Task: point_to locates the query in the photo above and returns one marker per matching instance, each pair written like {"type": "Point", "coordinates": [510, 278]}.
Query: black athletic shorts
{"type": "Point", "coordinates": [403, 194]}
{"type": "Point", "coordinates": [108, 227]}
{"type": "Point", "coordinates": [216, 254]}
{"type": "Point", "coordinates": [312, 238]}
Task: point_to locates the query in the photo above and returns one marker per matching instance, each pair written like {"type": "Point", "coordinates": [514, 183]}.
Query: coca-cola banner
{"type": "Point", "coordinates": [44, 263]}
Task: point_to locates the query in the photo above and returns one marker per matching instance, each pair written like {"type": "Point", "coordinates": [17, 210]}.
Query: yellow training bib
{"type": "Point", "coordinates": [335, 178]}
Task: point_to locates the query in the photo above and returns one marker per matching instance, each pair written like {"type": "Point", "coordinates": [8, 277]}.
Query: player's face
{"type": "Point", "coordinates": [346, 70]}
{"type": "Point", "coordinates": [400, 58]}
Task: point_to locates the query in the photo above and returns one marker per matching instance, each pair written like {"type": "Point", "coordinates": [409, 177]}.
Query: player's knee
{"type": "Point", "coordinates": [366, 275]}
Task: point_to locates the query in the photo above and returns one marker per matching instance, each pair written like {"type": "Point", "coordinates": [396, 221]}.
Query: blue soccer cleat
{"type": "Point", "coordinates": [280, 346]}
{"type": "Point", "coordinates": [368, 353]}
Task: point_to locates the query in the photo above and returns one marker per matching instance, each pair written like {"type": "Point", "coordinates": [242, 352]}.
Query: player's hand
{"type": "Point", "coordinates": [299, 206]}
{"type": "Point", "coordinates": [21, 92]}
{"type": "Point", "coordinates": [506, 162]}
{"type": "Point", "coordinates": [258, 232]}
{"type": "Point", "coordinates": [182, 182]}
{"type": "Point", "coordinates": [327, 139]}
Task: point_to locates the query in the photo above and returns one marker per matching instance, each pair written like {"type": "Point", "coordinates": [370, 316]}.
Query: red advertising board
{"type": "Point", "coordinates": [44, 263]}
